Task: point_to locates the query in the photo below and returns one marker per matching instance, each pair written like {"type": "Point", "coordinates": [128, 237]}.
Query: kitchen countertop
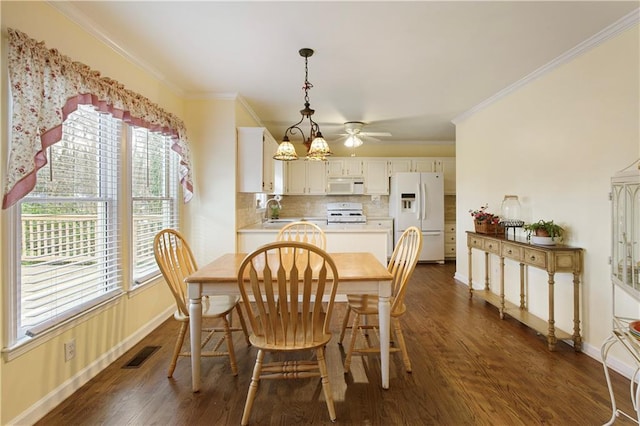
{"type": "Point", "coordinates": [328, 228]}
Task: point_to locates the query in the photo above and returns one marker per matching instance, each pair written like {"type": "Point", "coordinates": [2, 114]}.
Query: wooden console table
{"type": "Point", "coordinates": [558, 258]}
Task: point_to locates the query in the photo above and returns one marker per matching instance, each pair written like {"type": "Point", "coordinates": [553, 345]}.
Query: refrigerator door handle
{"type": "Point", "coordinates": [419, 202]}
{"type": "Point", "coordinates": [423, 208]}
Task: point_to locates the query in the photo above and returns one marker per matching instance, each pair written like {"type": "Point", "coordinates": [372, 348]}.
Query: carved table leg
{"type": "Point", "coordinates": [551, 335]}
{"type": "Point", "coordinates": [470, 274]}
{"type": "Point", "coordinates": [577, 339]}
{"type": "Point", "coordinates": [522, 300]}
{"type": "Point", "coordinates": [486, 270]}
{"type": "Point", "coordinates": [501, 287]}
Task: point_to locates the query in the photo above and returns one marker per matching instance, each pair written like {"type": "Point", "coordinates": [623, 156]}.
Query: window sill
{"type": "Point", "coordinates": [151, 282]}
{"type": "Point", "coordinates": [27, 344]}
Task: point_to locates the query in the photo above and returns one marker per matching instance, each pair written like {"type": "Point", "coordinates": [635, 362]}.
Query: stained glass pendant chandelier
{"type": "Point", "coordinates": [317, 147]}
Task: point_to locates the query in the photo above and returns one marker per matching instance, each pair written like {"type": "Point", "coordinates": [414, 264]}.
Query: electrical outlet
{"type": "Point", "coordinates": [70, 350]}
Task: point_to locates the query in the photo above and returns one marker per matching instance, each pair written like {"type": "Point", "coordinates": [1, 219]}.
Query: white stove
{"type": "Point", "coordinates": [345, 213]}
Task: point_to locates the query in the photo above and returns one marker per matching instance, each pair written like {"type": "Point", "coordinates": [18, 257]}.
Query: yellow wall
{"type": "Point", "coordinates": [555, 143]}
{"type": "Point", "coordinates": [37, 380]}
{"type": "Point", "coordinates": [210, 220]}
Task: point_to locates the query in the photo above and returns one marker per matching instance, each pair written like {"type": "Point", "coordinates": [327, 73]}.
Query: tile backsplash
{"type": "Point", "coordinates": [316, 206]}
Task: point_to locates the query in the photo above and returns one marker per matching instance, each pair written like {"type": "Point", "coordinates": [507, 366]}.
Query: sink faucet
{"type": "Point", "coordinates": [275, 199]}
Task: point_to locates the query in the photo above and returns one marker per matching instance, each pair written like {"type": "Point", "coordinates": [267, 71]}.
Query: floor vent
{"type": "Point", "coordinates": [141, 357]}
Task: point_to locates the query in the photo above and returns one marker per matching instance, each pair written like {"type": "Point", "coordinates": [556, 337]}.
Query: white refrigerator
{"type": "Point", "coordinates": [417, 199]}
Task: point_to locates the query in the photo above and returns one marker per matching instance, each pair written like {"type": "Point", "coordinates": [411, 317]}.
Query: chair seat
{"type": "Point", "coordinates": [212, 307]}
{"type": "Point", "coordinates": [294, 342]}
{"type": "Point", "coordinates": [367, 304]}
{"type": "Point", "coordinates": [260, 343]}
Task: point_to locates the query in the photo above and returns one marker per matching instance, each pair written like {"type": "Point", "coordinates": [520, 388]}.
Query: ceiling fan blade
{"type": "Point", "coordinates": [366, 137]}
{"type": "Point", "coordinates": [381, 134]}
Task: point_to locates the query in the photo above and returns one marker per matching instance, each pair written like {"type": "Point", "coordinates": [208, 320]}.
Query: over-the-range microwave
{"type": "Point", "coordinates": [345, 185]}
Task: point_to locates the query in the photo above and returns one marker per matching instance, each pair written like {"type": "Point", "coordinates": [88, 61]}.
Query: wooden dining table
{"type": "Point", "coordinates": [359, 273]}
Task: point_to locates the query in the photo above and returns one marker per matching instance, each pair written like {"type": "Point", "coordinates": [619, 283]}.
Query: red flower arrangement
{"type": "Point", "coordinates": [482, 215]}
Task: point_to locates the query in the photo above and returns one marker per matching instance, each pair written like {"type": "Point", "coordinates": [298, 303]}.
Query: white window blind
{"type": "Point", "coordinates": [154, 191]}
{"type": "Point", "coordinates": [69, 247]}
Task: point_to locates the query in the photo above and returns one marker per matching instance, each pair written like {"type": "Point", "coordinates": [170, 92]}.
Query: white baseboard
{"type": "Point", "coordinates": [66, 389]}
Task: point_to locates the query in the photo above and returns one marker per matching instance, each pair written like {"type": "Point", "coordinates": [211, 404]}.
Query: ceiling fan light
{"type": "Point", "coordinates": [319, 149]}
{"type": "Point", "coordinates": [286, 151]}
{"type": "Point", "coordinates": [353, 142]}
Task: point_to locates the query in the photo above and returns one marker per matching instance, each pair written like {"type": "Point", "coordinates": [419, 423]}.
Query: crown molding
{"type": "Point", "coordinates": [73, 14]}
{"type": "Point", "coordinates": [621, 25]}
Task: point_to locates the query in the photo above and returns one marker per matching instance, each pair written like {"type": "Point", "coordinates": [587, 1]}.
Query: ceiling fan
{"type": "Point", "coordinates": [354, 134]}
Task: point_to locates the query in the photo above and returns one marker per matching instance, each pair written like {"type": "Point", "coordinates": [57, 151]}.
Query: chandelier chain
{"type": "Point", "coordinates": [307, 84]}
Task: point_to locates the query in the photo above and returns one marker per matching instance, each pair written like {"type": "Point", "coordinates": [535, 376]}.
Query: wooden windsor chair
{"type": "Point", "coordinates": [306, 232]}
{"type": "Point", "coordinates": [278, 283]}
{"type": "Point", "coordinates": [401, 265]}
{"type": "Point", "coordinates": [176, 261]}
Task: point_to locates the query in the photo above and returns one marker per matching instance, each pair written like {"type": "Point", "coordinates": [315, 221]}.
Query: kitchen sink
{"type": "Point", "coordinates": [278, 223]}
{"type": "Point", "coordinates": [287, 220]}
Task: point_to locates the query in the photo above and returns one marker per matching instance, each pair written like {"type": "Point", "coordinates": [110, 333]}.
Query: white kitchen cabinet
{"type": "Point", "coordinates": [249, 241]}
{"type": "Point", "coordinates": [358, 241]}
{"type": "Point", "coordinates": [444, 165]}
{"type": "Point", "coordinates": [447, 166]}
{"type": "Point", "coordinates": [376, 176]}
{"type": "Point", "coordinates": [416, 164]}
{"type": "Point", "coordinates": [338, 241]}
{"type": "Point", "coordinates": [257, 170]}
{"type": "Point", "coordinates": [344, 167]}
{"type": "Point", "coordinates": [449, 240]}
{"type": "Point", "coordinates": [399, 165]}
{"type": "Point", "coordinates": [385, 224]}
{"type": "Point", "coordinates": [310, 177]}
{"type": "Point", "coordinates": [426, 164]}
{"type": "Point", "coordinates": [306, 178]}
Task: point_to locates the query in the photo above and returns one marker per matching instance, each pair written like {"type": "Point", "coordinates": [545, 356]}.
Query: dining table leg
{"type": "Point", "coordinates": [195, 325]}
{"type": "Point", "coordinates": [384, 309]}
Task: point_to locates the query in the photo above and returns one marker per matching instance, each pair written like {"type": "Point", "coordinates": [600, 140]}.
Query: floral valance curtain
{"type": "Point", "coordinates": [46, 87]}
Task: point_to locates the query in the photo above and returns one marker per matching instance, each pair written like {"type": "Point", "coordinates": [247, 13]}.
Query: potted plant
{"type": "Point", "coordinates": [485, 222]}
{"type": "Point", "coordinates": [544, 232]}
{"type": "Point", "coordinates": [275, 212]}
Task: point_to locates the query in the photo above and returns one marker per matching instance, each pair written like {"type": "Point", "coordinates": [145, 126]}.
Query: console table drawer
{"type": "Point", "coordinates": [492, 246]}
{"type": "Point", "coordinates": [512, 251]}
{"type": "Point", "coordinates": [475, 242]}
{"type": "Point", "coordinates": [535, 258]}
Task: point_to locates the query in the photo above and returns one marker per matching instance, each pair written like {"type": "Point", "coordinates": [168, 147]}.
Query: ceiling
{"type": "Point", "coordinates": [407, 68]}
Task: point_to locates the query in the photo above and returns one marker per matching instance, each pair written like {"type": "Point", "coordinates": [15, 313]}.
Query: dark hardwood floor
{"type": "Point", "coordinates": [469, 368]}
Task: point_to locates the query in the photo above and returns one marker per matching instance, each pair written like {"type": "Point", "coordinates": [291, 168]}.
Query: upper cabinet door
{"type": "Point", "coordinates": [424, 165]}
{"type": "Point", "coordinates": [335, 167]}
{"type": "Point", "coordinates": [316, 177]}
{"type": "Point", "coordinates": [254, 170]}
{"type": "Point", "coordinates": [401, 165]}
{"type": "Point", "coordinates": [344, 167]}
{"type": "Point", "coordinates": [353, 167]}
{"type": "Point", "coordinates": [296, 177]}
{"type": "Point", "coordinates": [257, 170]}
{"type": "Point", "coordinates": [306, 177]}
{"type": "Point", "coordinates": [448, 169]}
{"type": "Point", "coordinates": [376, 176]}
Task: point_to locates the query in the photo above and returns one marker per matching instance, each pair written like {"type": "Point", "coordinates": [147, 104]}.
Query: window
{"type": "Point", "coordinates": [69, 225]}
{"type": "Point", "coordinates": [68, 228]}
{"type": "Point", "coordinates": [154, 192]}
